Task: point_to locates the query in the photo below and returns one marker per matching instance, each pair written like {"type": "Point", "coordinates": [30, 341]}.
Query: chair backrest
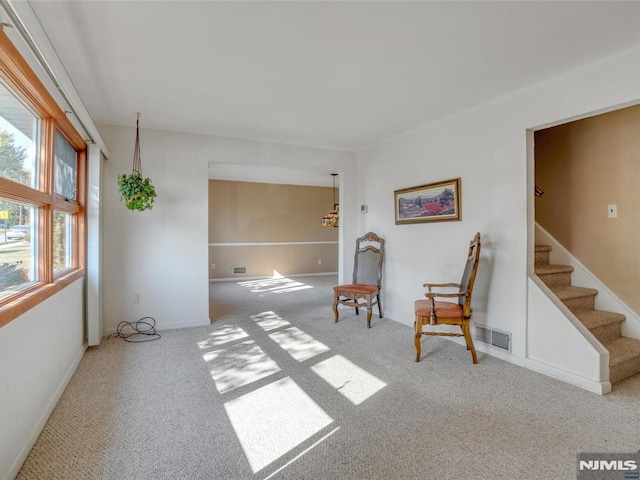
{"type": "Point", "coordinates": [367, 266]}
{"type": "Point", "coordinates": [469, 274]}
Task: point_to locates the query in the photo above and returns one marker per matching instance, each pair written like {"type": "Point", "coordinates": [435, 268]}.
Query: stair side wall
{"type": "Point", "coordinates": [560, 347]}
{"type": "Point", "coordinates": [606, 299]}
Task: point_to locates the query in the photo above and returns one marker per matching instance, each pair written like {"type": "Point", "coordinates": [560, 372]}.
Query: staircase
{"type": "Point", "coordinates": [624, 352]}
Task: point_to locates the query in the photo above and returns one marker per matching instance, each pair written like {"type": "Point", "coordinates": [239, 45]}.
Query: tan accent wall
{"type": "Point", "coordinates": [244, 212]}
{"type": "Point", "coordinates": [583, 167]}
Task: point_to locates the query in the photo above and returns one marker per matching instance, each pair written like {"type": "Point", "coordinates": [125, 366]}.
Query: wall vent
{"type": "Point", "coordinates": [239, 270]}
{"type": "Point", "coordinates": [493, 337]}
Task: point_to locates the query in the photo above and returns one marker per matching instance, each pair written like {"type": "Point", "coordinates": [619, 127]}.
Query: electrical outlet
{"type": "Point", "coordinates": [136, 298]}
{"type": "Point", "coordinates": [319, 262]}
{"type": "Point", "coordinates": [612, 211]}
{"type": "Point", "coordinates": [213, 266]}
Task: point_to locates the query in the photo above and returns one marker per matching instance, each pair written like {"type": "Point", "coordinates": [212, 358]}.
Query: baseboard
{"type": "Point", "coordinates": [37, 429]}
{"type": "Point", "coordinates": [242, 279]}
{"type": "Point", "coordinates": [594, 386]}
{"type": "Point", "coordinates": [491, 351]}
{"type": "Point", "coordinates": [168, 326]}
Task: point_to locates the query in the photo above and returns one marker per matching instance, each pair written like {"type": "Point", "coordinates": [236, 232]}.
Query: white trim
{"type": "Point", "coordinates": [242, 279]}
{"type": "Point", "coordinates": [489, 350]}
{"type": "Point", "coordinates": [168, 326]}
{"type": "Point", "coordinates": [39, 426]}
{"type": "Point", "coordinates": [594, 386]}
{"type": "Point", "coordinates": [269, 244]}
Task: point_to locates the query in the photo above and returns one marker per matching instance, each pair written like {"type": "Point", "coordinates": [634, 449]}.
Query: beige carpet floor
{"type": "Point", "coordinates": [275, 389]}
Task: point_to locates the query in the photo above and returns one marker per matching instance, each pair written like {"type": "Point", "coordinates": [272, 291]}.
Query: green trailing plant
{"type": "Point", "coordinates": [137, 192]}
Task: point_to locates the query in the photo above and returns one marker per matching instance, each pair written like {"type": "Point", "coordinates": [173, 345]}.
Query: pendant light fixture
{"type": "Point", "coordinates": [332, 219]}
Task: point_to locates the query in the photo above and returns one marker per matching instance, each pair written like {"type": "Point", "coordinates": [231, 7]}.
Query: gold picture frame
{"type": "Point", "coordinates": [434, 202]}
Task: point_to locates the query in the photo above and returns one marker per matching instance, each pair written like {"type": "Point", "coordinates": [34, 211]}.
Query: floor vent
{"type": "Point", "coordinates": [493, 337]}
{"type": "Point", "coordinates": [239, 270]}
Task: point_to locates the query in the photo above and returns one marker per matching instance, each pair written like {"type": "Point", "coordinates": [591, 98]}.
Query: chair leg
{"type": "Point", "coordinates": [369, 311]}
{"type": "Point", "coordinates": [379, 305]}
{"type": "Point", "coordinates": [335, 305]}
{"type": "Point", "coordinates": [357, 310]}
{"type": "Point", "coordinates": [418, 336]}
{"type": "Point", "coordinates": [466, 329]}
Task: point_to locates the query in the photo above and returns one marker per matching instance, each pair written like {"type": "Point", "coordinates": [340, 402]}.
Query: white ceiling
{"type": "Point", "coordinates": [340, 74]}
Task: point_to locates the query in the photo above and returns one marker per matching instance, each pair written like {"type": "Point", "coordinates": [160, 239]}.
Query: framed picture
{"type": "Point", "coordinates": [435, 202]}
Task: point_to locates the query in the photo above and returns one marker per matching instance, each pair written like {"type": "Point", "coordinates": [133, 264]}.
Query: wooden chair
{"type": "Point", "coordinates": [367, 278]}
{"type": "Point", "coordinates": [432, 312]}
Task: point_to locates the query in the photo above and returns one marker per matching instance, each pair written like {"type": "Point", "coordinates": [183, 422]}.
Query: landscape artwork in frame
{"type": "Point", "coordinates": [435, 202]}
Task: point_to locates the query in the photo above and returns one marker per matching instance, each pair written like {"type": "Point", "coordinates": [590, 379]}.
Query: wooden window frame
{"type": "Point", "coordinates": [24, 83]}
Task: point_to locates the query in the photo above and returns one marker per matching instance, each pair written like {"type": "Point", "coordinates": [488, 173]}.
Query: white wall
{"type": "Point", "coordinates": [556, 330]}
{"type": "Point", "coordinates": [487, 147]}
{"type": "Point", "coordinates": [39, 351]}
{"type": "Point", "coordinates": [162, 254]}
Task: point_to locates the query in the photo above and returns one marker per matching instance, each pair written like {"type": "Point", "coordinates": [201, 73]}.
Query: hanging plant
{"type": "Point", "coordinates": [137, 192]}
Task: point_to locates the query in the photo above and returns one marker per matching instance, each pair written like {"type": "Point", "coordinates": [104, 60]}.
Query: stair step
{"type": "Point", "coordinates": [624, 358]}
{"type": "Point", "coordinates": [605, 326]}
{"type": "Point", "coordinates": [542, 254]}
{"type": "Point", "coordinates": [624, 353]}
{"type": "Point", "coordinates": [577, 299]}
{"type": "Point", "coordinates": [546, 269]}
{"type": "Point", "coordinates": [554, 275]}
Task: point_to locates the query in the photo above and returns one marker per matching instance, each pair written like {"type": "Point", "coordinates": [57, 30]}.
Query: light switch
{"type": "Point", "coordinates": [612, 211]}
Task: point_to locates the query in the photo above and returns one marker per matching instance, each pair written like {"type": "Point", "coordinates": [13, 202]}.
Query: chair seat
{"type": "Point", "coordinates": [443, 309]}
{"type": "Point", "coordinates": [356, 288]}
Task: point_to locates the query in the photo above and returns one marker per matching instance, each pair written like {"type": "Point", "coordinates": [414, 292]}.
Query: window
{"type": "Point", "coordinates": [42, 170]}
{"type": "Point", "coordinates": [18, 266]}
{"type": "Point", "coordinates": [19, 140]}
{"type": "Point", "coordinates": [66, 168]}
{"type": "Point", "coordinates": [62, 234]}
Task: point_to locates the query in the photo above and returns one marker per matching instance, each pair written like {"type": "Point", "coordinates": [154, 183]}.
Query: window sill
{"type": "Point", "coordinates": [25, 302]}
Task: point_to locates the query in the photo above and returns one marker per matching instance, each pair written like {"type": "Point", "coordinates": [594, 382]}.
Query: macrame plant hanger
{"type": "Point", "coordinates": [137, 192]}
{"type": "Point", "coordinates": [137, 161]}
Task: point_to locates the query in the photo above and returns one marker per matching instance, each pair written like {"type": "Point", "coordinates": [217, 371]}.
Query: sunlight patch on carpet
{"type": "Point", "coordinates": [269, 321]}
{"type": "Point", "coordinates": [273, 420]}
{"type": "Point", "coordinates": [239, 365]}
{"type": "Point", "coordinates": [222, 335]}
{"type": "Point", "coordinates": [350, 380]}
{"type": "Point", "coordinates": [300, 345]}
{"type": "Point", "coordinates": [275, 284]}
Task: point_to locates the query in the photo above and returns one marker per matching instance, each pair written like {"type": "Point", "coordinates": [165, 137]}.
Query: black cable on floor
{"type": "Point", "coordinates": [141, 327]}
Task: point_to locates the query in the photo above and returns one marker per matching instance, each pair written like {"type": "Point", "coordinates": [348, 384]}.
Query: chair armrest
{"type": "Point", "coordinates": [442, 285]}
{"type": "Point", "coordinates": [433, 295]}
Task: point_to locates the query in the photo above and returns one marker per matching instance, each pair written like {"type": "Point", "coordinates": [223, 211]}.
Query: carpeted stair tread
{"type": "Point", "coordinates": [624, 353]}
{"type": "Point", "coordinates": [568, 293]}
{"type": "Point", "coordinates": [549, 269]}
{"type": "Point", "coordinates": [599, 318]}
{"type": "Point", "coordinates": [623, 349]}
